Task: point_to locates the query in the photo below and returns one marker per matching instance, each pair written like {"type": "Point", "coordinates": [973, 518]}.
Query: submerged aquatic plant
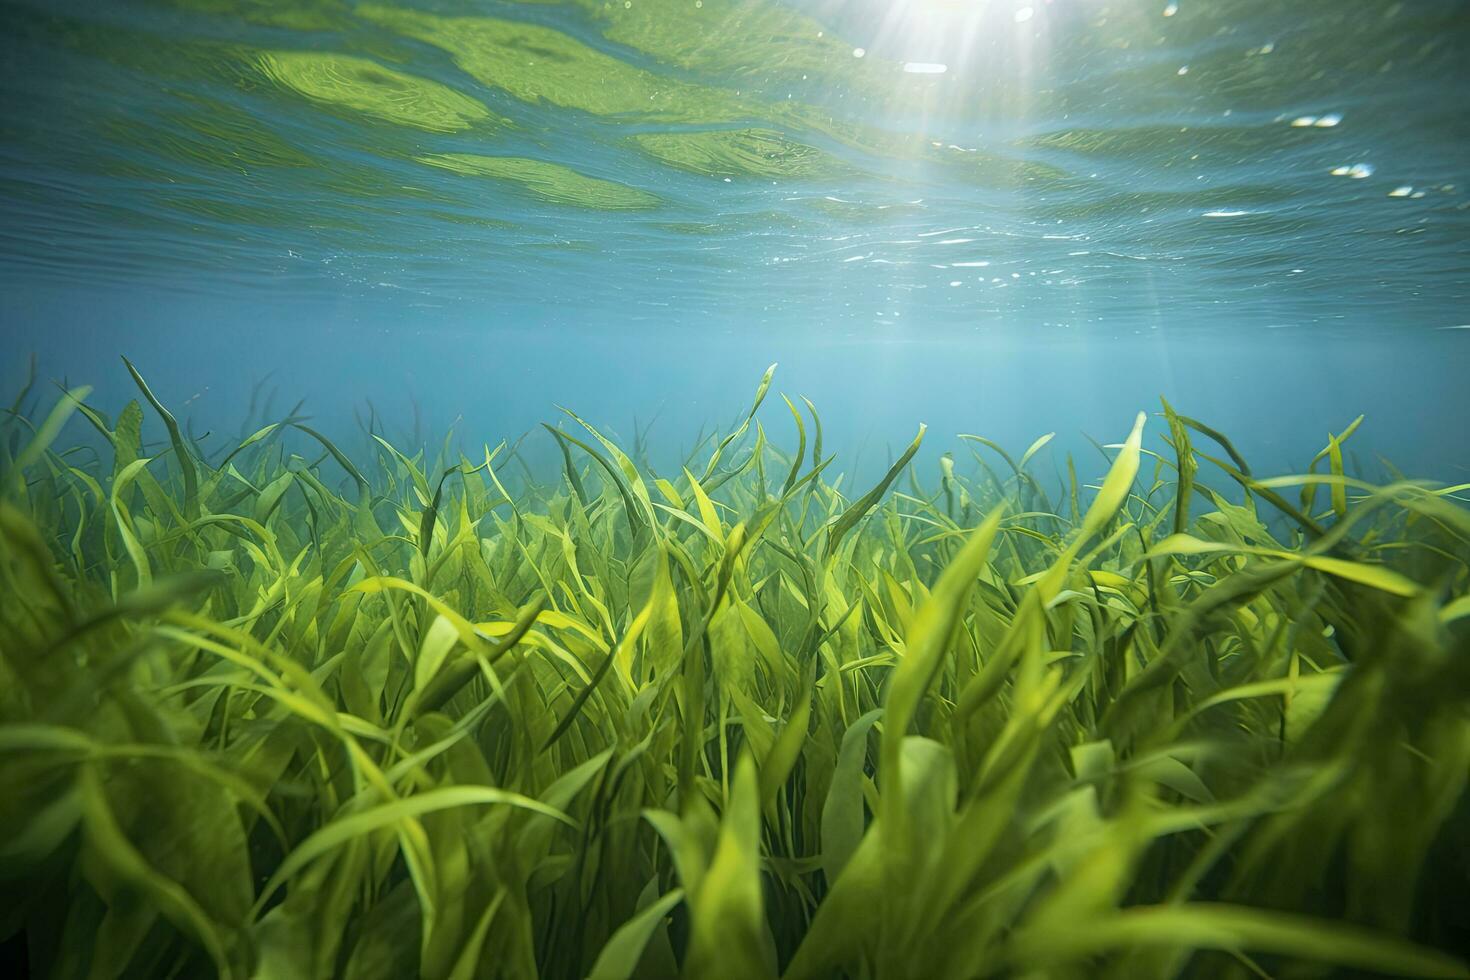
{"type": "Point", "coordinates": [287, 711]}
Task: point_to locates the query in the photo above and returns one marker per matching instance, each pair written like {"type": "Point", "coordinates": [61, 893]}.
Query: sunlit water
{"type": "Point", "coordinates": [995, 216]}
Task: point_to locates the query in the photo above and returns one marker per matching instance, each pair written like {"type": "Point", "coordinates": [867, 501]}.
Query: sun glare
{"type": "Point", "coordinates": [944, 37]}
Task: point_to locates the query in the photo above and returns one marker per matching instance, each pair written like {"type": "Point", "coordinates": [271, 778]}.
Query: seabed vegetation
{"type": "Point", "coordinates": [287, 710]}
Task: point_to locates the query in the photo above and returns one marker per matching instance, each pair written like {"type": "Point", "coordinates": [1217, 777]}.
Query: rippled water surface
{"type": "Point", "coordinates": [857, 163]}
{"type": "Point", "coordinates": [830, 172]}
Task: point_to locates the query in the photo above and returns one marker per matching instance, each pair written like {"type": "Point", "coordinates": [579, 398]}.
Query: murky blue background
{"type": "Point", "coordinates": [487, 208]}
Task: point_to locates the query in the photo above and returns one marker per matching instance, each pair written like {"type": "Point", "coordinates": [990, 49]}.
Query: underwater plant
{"type": "Point", "coordinates": [294, 710]}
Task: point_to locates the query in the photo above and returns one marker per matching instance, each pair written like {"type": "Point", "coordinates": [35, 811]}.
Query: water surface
{"type": "Point", "coordinates": [1007, 216]}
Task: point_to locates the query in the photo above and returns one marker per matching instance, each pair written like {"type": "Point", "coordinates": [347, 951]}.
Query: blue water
{"type": "Point", "coordinates": [1256, 209]}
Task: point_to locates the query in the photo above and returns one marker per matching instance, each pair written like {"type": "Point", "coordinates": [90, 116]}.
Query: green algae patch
{"type": "Point", "coordinates": [732, 38]}
{"type": "Point", "coordinates": [979, 165]}
{"type": "Point", "coordinates": [548, 181]}
{"type": "Point", "coordinates": [300, 704]}
{"type": "Point", "coordinates": [296, 15]}
{"type": "Point", "coordinates": [209, 132]}
{"type": "Point", "coordinates": [1135, 142]}
{"type": "Point", "coordinates": [739, 153]}
{"type": "Point", "coordinates": [234, 136]}
{"type": "Point", "coordinates": [541, 65]}
{"type": "Point", "coordinates": [362, 85]}
{"type": "Point", "coordinates": [538, 64]}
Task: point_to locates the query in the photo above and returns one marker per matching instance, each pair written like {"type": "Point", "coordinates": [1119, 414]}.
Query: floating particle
{"type": "Point", "coordinates": [1023, 15]}
{"type": "Point", "coordinates": [859, 52]}
{"type": "Point", "coordinates": [1403, 191]}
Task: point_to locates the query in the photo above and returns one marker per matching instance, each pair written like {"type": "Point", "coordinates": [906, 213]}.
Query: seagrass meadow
{"type": "Point", "coordinates": [286, 709]}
